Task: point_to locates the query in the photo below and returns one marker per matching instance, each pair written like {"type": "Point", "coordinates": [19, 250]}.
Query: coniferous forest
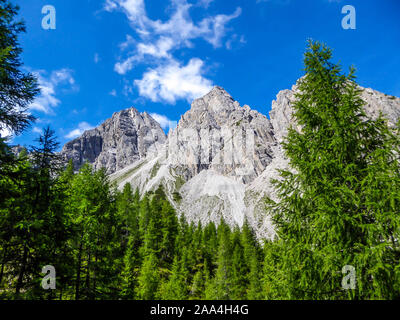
{"type": "Point", "coordinates": [340, 206]}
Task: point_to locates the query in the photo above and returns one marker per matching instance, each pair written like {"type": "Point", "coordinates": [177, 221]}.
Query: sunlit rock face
{"type": "Point", "coordinates": [217, 133]}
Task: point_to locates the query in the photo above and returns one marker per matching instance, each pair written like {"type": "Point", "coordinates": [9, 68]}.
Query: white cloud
{"type": "Point", "coordinates": [110, 5]}
{"type": "Point", "coordinates": [5, 133]}
{"type": "Point", "coordinates": [233, 40]}
{"type": "Point", "coordinates": [216, 27]}
{"type": "Point", "coordinates": [82, 127]}
{"type": "Point", "coordinates": [128, 43]}
{"type": "Point", "coordinates": [205, 3]}
{"type": "Point", "coordinates": [171, 82]}
{"type": "Point", "coordinates": [181, 28]}
{"type": "Point", "coordinates": [134, 10]}
{"type": "Point", "coordinates": [37, 130]}
{"type": "Point", "coordinates": [163, 120]}
{"type": "Point", "coordinates": [286, 2]}
{"type": "Point", "coordinates": [158, 50]}
{"type": "Point", "coordinates": [62, 76]}
{"type": "Point", "coordinates": [125, 66]}
{"type": "Point", "coordinates": [157, 42]}
{"type": "Point", "coordinates": [47, 99]}
{"type": "Point", "coordinates": [113, 92]}
{"type": "Point", "coordinates": [281, 2]}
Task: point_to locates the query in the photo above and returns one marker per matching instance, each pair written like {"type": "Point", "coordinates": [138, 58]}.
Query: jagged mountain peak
{"type": "Point", "coordinates": [131, 112]}
{"type": "Point", "coordinates": [125, 138]}
{"type": "Point", "coordinates": [218, 109]}
{"type": "Point", "coordinates": [218, 91]}
{"type": "Point", "coordinates": [218, 134]}
{"type": "Point", "coordinates": [216, 101]}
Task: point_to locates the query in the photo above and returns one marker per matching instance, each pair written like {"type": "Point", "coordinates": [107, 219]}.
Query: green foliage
{"type": "Point", "coordinates": [149, 278]}
{"type": "Point", "coordinates": [17, 89]}
{"type": "Point", "coordinates": [20, 219]}
{"type": "Point", "coordinates": [34, 225]}
{"type": "Point", "coordinates": [339, 206]}
{"type": "Point", "coordinates": [176, 287]}
{"type": "Point", "coordinates": [109, 244]}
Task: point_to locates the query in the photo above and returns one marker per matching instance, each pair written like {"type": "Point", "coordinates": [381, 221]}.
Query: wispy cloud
{"type": "Point", "coordinates": [205, 3]}
{"type": "Point", "coordinates": [49, 85]}
{"type": "Point", "coordinates": [235, 40]}
{"type": "Point", "coordinates": [164, 122]}
{"type": "Point", "coordinates": [157, 42]}
{"type": "Point", "coordinates": [82, 127]}
{"type": "Point", "coordinates": [284, 2]}
{"type": "Point", "coordinates": [37, 130]}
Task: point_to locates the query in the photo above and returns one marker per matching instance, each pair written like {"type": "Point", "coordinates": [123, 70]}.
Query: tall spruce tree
{"type": "Point", "coordinates": [41, 225]}
{"type": "Point", "coordinates": [128, 212]}
{"type": "Point", "coordinates": [223, 273]}
{"type": "Point", "coordinates": [239, 268]}
{"type": "Point", "coordinates": [17, 89]}
{"type": "Point", "coordinates": [339, 206]}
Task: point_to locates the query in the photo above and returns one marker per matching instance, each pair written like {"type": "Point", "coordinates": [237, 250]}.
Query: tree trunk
{"type": "Point", "coordinates": [87, 281]}
{"type": "Point", "coordinates": [61, 292]}
{"type": "Point", "coordinates": [3, 262]}
{"type": "Point", "coordinates": [78, 272]}
{"type": "Point", "coordinates": [22, 271]}
{"type": "Point", "coordinates": [93, 297]}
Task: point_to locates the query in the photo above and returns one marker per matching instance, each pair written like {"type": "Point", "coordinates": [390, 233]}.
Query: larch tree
{"type": "Point", "coordinates": [338, 207]}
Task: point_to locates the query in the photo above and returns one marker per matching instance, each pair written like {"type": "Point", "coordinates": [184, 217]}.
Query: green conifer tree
{"type": "Point", "coordinates": [17, 88]}
{"type": "Point", "coordinates": [239, 268]}
{"type": "Point", "coordinates": [339, 205]}
{"type": "Point", "coordinates": [223, 273]}
{"type": "Point", "coordinates": [175, 288]}
{"type": "Point", "coordinates": [149, 278]}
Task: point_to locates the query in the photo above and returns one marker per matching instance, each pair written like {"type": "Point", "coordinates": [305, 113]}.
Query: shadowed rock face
{"type": "Point", "coordinates": [120, 141]}
{"type": "Point", "coordinates": [191, 164]}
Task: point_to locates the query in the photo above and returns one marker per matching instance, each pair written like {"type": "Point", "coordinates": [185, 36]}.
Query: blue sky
{"type": "Point", "coordinates": [158, 55]}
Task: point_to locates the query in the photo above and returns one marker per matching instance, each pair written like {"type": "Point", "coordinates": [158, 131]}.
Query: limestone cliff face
{"type": "Point", "coordinates": [217, 133]}
{"type": "Point", "coordinates": [218, 162]}
{"type": "Point", "coordinates": [120, 141]}
{"type": "Point", "coordinates": [375, 102]}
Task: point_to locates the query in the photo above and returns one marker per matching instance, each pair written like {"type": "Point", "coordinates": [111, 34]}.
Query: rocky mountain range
{"type": "Point", "coordinates": [217, 163]}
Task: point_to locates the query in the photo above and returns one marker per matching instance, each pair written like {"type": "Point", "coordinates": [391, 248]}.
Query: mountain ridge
{"type": "Point", "coordinates": [125, 138]}
{"type": "Point", "coordinates": [219, 160]}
